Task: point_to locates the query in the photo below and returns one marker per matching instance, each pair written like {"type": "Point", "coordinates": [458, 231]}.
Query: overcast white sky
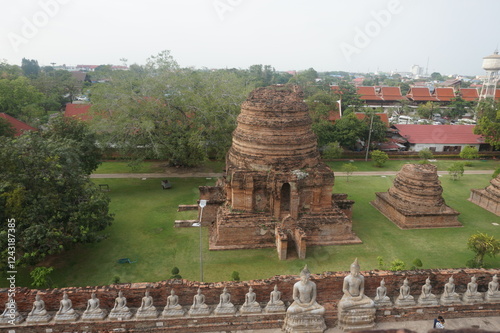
{"type": "Point", "coordinates": [356, 35]}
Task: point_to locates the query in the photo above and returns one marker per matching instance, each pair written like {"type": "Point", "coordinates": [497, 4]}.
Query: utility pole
{"type": "Point", "coordinates": [369, 138]}
{"type": "Point", "coordinates": [203, 203]}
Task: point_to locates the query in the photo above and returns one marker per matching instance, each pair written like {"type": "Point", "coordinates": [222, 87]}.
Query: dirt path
{"type": "Point", "coordinates": [185, 174]}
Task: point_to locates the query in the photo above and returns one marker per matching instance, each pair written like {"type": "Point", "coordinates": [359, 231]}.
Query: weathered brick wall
{"type": "Point", "coordinates": [329, 293]}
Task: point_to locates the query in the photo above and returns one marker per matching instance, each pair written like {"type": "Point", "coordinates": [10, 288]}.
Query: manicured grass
{"type": "Point", "coordinates": [143, 231]}
{"type": "Point", "coordinates": [395, 165]}
{"type": "Point", "coordinates": [126, 167]}
{"type": "Point", "coordinates": [155, 167]}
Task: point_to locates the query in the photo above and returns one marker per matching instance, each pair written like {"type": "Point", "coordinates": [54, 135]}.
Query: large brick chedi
{"type": "Point", "coordinates": [415, 200]}
{"type": "Point", "coordinates": [489, 197]}
{"type": "Point", "coordinates": [277, 191]}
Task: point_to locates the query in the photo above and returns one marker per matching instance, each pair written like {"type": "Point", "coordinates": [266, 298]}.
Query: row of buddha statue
{"type": "Point", "coordinates": [147, 310]}
{"type": "Point", "coordinates": [355, 309]}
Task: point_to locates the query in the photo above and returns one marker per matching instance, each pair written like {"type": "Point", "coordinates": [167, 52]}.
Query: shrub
{"type": "Point", "coordinates": [425, 154]}
{"type": "Point", "coordinates": [116, 279]}
{"type": "Point", "coordinates": [235, 276]}
{"type": "Point", "coordinates": [379, 157]}
{"type": "Point", "coordinates": [333, 150]}
{"type": "Point", "coordinates": [456, 170]}
{"type": "Point", "coordinates": [417, 264]}
{"type": "Point", "coordinates": [175, 273]}
{"type": "Point", "coordinates": [40, 276]}
{"type": "Point", "coordinates": [380, 261]}
{"type": "Point", "coordinates": [496, 173]}
{"type": "Point", "coordinates": [349, 168]}
{"type": "Point", "coordinates": [469, 153]}
{"type": "Point", "coordinates": [397, 265]}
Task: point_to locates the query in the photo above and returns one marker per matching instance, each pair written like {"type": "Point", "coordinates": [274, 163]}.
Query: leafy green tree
{"type": "Point", "coordinates": [165, 112]}
{"type": "Point", "coordinates": [349, 168]}
{"type": "Point", "coordinates": [483, 244]}
{"type": "Point", "coordinates": [435, 76]}
{"type": "Point", "coordinates": [84, 140]}
{"type": "Point", "coordinates": [55, 204]}
{"type": "Point", "coordinates": [30, 67]}
{"type": "Point", "coordinates": [456, 170]}
{"type": "Point", "coordinates": [333, 150]}
{"type": "Point", "coordinates": [488, 113]}
{"type": "Point", "coordinates": [6, 129]}
{"type": "Point", "coordinates": [379, 158]}
{"type": "Point", "coordinates": [349, 96]}
{"type": "Point", "coordinates": [427, 110]}
{"type": "Point", "coordinates": [348, 130]}
{"type": "Point", "coordinates": [425, 155]}
{"type": "Point", "coordinates": [40, 276]}
{"type": "Point", "coordinates": [397, 265]}
{"type": "Point", "coordinates": [459, 107]}
{"type": "Point", "coordinates": [20, 99]}
{"type": "Point", "coordinates": [378, 128]}
{"type": "Point", "coordinates": [469, 153]}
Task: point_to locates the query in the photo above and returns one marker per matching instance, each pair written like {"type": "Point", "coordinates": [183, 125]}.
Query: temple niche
{"type": "Point", "coordinates": [276, 191]}
{"type": "Point", "coordinates": [415, 200]}
{"type": "Point", "coordinates": [489, 197]}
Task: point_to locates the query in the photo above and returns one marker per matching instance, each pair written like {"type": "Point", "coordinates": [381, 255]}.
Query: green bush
{"type": "Point", "coordinates": [397, 265]}
{"type": "Point", "coordinates": [379, 158]}
{"type": "Point", "coordinates": [116, 279]}
{"type": "Point", "coordinates": [40, 276]}
{"type": "Point", "coordinates": [469, 153]}
{"type": "Point", "coordinates": [235, 276]}
{"type": "Point", "coordinates": [456, 170]}
{"type": "Point", "coordinates": [175, 273]}
{"type": "Point", "coordinates": [425, 154]}
{"type": "Point", "coordinates": [333, 150]}
{"type": "Point", "coordinates": [417, 264]}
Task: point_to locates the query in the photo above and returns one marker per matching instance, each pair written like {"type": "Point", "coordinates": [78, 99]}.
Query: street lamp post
{"type": "Point", "coordinates": [203, 203]}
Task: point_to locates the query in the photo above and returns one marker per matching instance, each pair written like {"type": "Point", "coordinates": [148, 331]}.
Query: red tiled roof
{"type": "Point", "coordinates": [391, 94]}
{"type": "Point", "coordinates": [383, 117]}
{"type": "Point", "coordinates": [368, 93]}
{"type": "Point", "coordinates": [444, 94]}
{"type": "Point", "coordinates": [334, 115]}
{"type": "Point", "coordinates": [18, 125]}
{"type": "Point", "coordinates": [79, 111]}
{"type": "Point", "coordinates": [469, 94]}
{"type": "Point", "coordinates": [336, 89]}
{"type": "Point", "coordinates": [442, 134]}
{"type": "Point", "coordinates": [421, 94]}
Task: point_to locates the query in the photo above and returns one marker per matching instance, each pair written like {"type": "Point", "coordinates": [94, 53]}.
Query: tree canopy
{"type": "Point", "coordinates": [488, 113]}
{"type": "Point", "coordinates": [44, 186]}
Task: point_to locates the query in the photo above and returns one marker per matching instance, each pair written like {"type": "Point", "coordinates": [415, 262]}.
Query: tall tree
{"type": "Point", "coordinates": [348, 130]}
{"type": "Point", "coordinates": [165, 112]}
{"type": "Point", "coordinates": [30, 67]}
{"type": "Point", "coordinates": [53, 201]}
{"type": "Point", "coordinates": [488, 113]}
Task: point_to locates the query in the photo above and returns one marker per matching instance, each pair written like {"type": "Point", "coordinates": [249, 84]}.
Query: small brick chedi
{"type": "Point", "coordinates": [276, 191]}
{"type": "Point", "coordinates": [489, 197]}
{"type": "Point", "coordinates": [415, 200]}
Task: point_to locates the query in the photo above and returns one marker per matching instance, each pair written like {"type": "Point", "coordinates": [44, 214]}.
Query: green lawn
{"type": "Point", "coordinates": [218, 166]}
{"type": "Point", "coordinates": [155, 167]}
{"type": "Point", "coordinates": [143, 231]}
{"type": "Point", "coordinates": [395, 165]}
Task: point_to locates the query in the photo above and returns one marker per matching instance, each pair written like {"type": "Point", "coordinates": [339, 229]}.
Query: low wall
{"type": "Point", "coordinates": [329, 286]}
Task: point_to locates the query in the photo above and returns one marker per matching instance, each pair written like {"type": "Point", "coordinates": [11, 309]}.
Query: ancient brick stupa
{"type": "Point", "coordinates": [489, 197]}
{"type": "Point", "coordinates": [415, 200]}
{"type": "Point", "coordinates": [276, 191]}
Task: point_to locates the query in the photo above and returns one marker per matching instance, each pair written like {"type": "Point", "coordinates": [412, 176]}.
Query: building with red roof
{"type": "Point", "coordinates": [421, 94]}
{"type": "Point", "coordinates": [19, 126]}
{"type": "Point", "coordinates": [469, 94]}
{"type": "Point", "coordinates": [392, 94]}
{"type": "Point", "coordinates": [440, 138]}
{"type": "Point", "coordinates": [444, 94]}
{"type": "Point", "coordinates": [78, 111]}
{"type": "Point", "coordinates": [368, 94]}
{"type": "Point", "coordinates": [383, 117]}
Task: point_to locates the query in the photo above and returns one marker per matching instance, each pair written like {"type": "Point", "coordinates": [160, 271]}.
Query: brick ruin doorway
{"type": "Point", "coordinates": [285, 200]}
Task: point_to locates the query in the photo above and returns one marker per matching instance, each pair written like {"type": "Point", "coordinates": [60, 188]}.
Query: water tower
{"type": "Point", "coordinates": [491, 64]}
